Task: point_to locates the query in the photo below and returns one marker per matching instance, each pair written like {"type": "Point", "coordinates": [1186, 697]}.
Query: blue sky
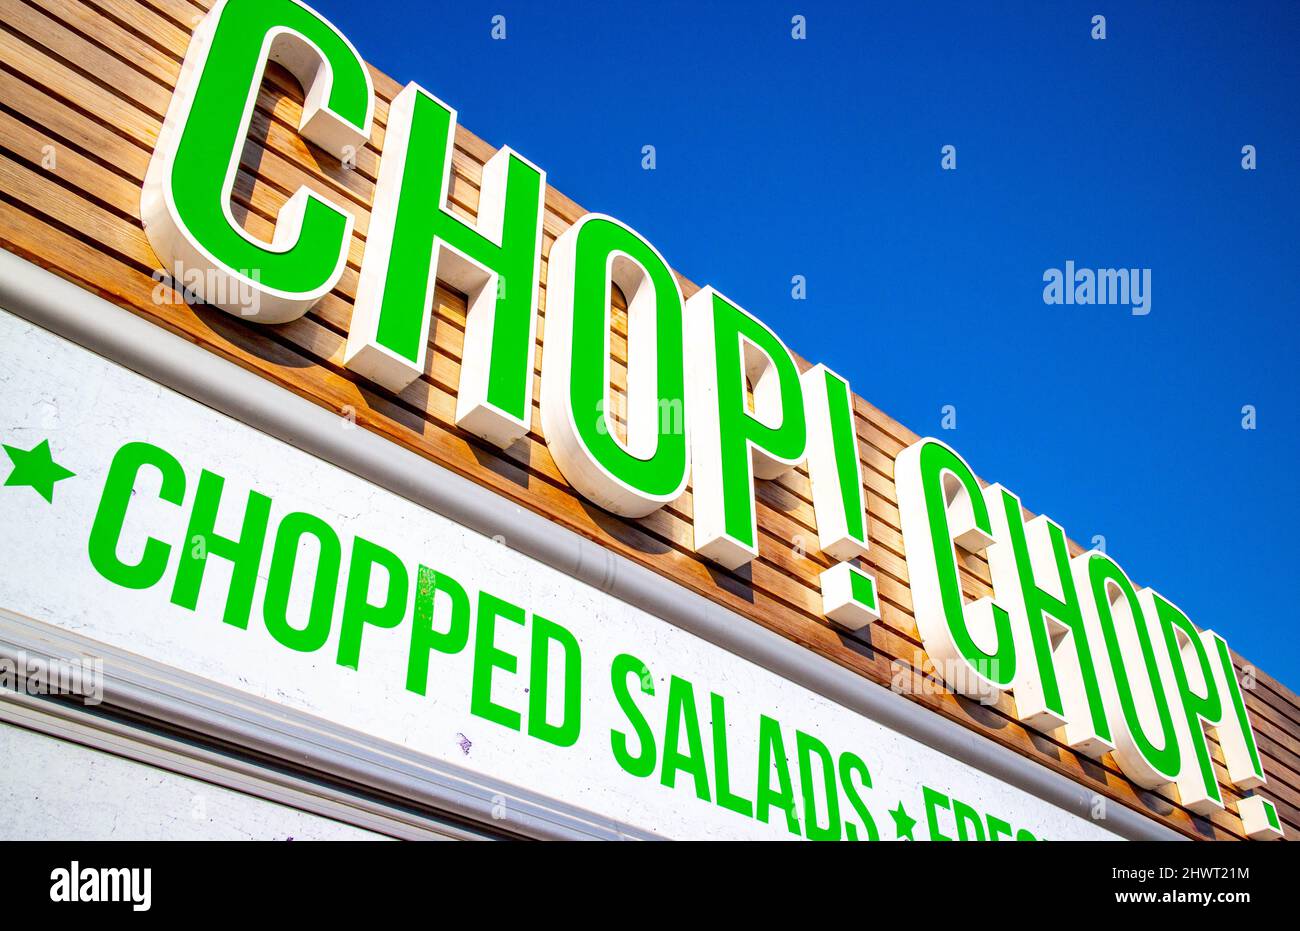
{"type": "Point", "coordinates": [821, 158]}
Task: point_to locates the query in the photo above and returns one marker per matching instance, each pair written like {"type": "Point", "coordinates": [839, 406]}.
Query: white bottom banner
{"type": "Point", "coordinates": [142, 519]}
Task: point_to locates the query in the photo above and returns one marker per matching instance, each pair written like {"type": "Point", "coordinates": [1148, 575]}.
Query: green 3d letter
{"type": "Point", "coordinates": [1137, 705]}
{"type": "Point", "coordinates": [731, 443]}
{"type": "Point", "coordinates": [941, 507]}
{"type": "Point", "coordinates": [1207, 698]}
{"type": "Point", "coordinates": [186, 206]}
{"type": "Point", "coordinates": [648, 470]}
{"type": "Point", "coordinates": [415, 239]}
{"type": "Point", "coordinates": [1056, 679]}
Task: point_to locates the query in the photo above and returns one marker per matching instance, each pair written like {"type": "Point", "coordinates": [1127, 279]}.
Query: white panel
{"type": "Point", "coordinates": [87, 408]}
{"type": "Point", "coordinates": [56, 790]}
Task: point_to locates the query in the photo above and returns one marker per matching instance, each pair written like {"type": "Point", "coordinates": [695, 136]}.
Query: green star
{"type": "Point", "coordinates": [903, 823]}
{"type": "Point", "coordinates": [36, 468]}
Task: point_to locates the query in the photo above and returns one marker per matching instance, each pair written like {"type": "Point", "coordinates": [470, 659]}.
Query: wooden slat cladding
{"type": "Point", "coordinates": [92, 79]}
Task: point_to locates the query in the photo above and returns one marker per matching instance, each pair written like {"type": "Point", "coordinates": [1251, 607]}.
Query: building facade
{"type": "Point", "coordinates": [328, 561]}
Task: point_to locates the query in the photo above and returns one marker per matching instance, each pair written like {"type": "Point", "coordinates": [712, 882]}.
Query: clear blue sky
{"type": "Point", "coordinates": [822, 158]}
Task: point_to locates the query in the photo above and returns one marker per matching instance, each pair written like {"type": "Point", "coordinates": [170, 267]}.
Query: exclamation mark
{"type": "Point", "coordinates": [849, 596]}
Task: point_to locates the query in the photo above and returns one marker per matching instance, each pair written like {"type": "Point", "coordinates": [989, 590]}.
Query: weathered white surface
{"type": "Point", "coordinates": [87, 408]}
{"type": "Point", "coordinates": [56, 790]}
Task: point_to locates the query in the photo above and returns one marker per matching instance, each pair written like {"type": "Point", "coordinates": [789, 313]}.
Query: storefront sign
{"type": "Point", "coordinates": [193, 540]}
{"type": "Point", "coordinates": [714, 396]}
